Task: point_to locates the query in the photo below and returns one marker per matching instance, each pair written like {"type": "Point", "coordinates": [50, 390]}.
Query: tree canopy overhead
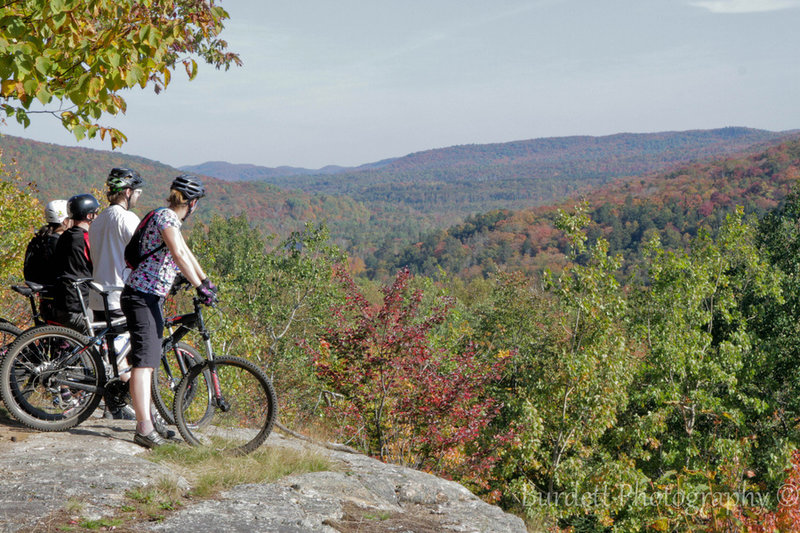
{"type": "Point", "coordinates": [76, 56]}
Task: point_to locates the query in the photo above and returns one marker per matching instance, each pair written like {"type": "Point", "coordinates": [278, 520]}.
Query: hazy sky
{"type": "Point", "coordinates": [348, 82]}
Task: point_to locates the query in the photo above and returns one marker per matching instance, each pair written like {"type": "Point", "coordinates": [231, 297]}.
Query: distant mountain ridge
{"type": "Point", "coordinates": [379, 207]}
{"type": "Point", "coordinates": [247, 172]}
{"type": "Point", "coordinates": [654, 147]}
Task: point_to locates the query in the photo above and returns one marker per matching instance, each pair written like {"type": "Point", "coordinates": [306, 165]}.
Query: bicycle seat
{"type": "Point", "coordinates": [28, 289]}
{"type": "Point", "coordinates": [35, 287]}
{"type": "Point", "coordinates": [22, 289]}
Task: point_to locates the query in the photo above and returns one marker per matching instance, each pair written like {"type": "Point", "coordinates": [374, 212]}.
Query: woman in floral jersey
{"type": "Point", "coordinates": [165, 254]}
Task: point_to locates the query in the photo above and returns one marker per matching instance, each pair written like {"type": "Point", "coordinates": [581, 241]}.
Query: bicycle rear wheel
{"type": "Point", "coordinates": [244, 410]}
{"type": "Point", "coordinates": [51, 379]}
{"type": "Point", "coordinates": [8, 334]}
{"type": "Point", "coordinates": [167, 376]}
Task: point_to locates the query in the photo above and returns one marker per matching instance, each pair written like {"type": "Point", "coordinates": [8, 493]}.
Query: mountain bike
{"type": "Point", "coordinates": [8, 330]}
{"type": "Point", "coordinates": [52, 377]}
{"type": "Point", "coordinates": [243, 402]}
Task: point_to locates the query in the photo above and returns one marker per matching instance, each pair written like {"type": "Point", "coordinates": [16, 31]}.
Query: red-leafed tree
{"type": "Point", "coordinates": [786, 517]}
{"type": "Point", "coordinates": [405, 400]}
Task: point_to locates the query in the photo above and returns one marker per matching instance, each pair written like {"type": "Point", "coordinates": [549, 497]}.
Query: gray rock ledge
{"type": "Point", "coordinates": [97, 462]}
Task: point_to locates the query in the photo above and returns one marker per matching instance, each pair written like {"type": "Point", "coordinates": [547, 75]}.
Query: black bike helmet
{"type": "Point", "coordinates": [82, 205]}
{"type": "Point", "coordinates": [120, 179]}
{"type": "Point", "coordinates": [190, 186]}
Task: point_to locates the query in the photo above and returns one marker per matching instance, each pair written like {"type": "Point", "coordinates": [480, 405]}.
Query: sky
{"type": "Point", "coordinates": [349, 82]}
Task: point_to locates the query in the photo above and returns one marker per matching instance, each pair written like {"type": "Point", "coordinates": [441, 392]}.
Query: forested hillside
{"type": "Point", "coordinates": [462, 180]}
{"type": "Point", "coordinates": [584, 398]}
{"type": "Point", "coordinates": [674, 204]}
{"type": "Point", "coordinates": [60, 171]}
{"type": "Point", "coordinates": [380, 207]}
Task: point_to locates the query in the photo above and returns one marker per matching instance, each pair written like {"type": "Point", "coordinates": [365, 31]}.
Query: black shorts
{"type": "Point", "coordinates": [76, 321]}
{"type": "Point", "coordinates": [146, 326]}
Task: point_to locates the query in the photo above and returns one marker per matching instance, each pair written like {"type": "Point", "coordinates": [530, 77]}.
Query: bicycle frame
{"type": "Point", "coordinates": [189, 322]}
{"type": "Point", "coordinates": [109, 330]}
{"type": "Point", "coordinates": [194, 321]}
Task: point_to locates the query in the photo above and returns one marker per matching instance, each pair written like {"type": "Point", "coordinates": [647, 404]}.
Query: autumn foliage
{"type": "Point", "coordinates": [786, 517]}
{"type": "Point", "coordinates": [75, 57]}
{"type": "Point", "coordinates": [406, 400]}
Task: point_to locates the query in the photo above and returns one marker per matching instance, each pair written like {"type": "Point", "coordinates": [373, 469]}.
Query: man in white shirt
{"type": "Point", "coordinates": [110, 232]}
{"type": "Point", "coordinates": [108, 235]}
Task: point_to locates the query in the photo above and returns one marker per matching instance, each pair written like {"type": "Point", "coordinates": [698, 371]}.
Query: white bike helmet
{"type": "Point", "coordinates": [55, 212]}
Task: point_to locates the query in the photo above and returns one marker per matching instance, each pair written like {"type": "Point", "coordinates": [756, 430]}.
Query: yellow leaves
{"type": "Point", "coordinates": [68, 118]}
{"type": "Point", "coordinates": [661, 524]}
{"type": "Point", "coordinates": [95, 86]}
{"type": "Point", "coordinates": [503, 354]}
{"type": "Point", "coordinates": [191, 68]}
{"type": "Point", "coordinates": [135, 75]}
{"type": "Point", "coordinates": [19, 216]}
{"type": "Point", "coordinates": [43, 94]}
{"type": "Point", "coordinates": [8, 88]}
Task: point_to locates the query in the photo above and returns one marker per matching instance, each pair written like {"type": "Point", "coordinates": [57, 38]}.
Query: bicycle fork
{"type": "Point", "coordinates": [219, 400]}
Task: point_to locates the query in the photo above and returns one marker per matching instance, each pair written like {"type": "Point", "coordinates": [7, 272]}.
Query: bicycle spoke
{"type": "Point", "coordinates": [48, 381]}
{"type": "Point", "coordinates": [166, 379]}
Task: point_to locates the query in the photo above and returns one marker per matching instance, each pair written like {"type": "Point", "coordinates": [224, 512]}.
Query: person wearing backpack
{"type": "Point", "coordinates": [72, 260]}
{"type": "Point", "coordinates": [37, 265]}
{"type": "Point", "coordinates": [162, 251]}
{"type": "Point", "coordinates": [108, 235]}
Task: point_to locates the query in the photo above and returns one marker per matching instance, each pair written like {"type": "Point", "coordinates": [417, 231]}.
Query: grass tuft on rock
{"type": "Point", "coordinates": [210, 471]}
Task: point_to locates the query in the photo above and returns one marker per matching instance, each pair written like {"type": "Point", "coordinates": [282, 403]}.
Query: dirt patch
{"type": "Point", "coordinates": [358, 520]}
{"type": "Point", "coordinates": [11, 431]}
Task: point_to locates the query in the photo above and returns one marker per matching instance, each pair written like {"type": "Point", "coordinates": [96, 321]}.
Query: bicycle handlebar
{"type": "Point", "coordinates": [180, 284]}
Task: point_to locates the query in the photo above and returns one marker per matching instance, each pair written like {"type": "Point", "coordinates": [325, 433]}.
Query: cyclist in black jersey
{"type": "Point", "coordinates": [72, 261]}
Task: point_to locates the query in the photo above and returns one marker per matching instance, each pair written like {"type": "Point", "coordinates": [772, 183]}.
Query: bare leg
{"type": "Point", "coordinates": [125, 376]}
{"type": "Point", "coordinates": [140, 395]}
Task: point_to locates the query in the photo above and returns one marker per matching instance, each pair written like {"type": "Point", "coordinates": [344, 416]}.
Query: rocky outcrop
{"type": "Point", "coordinates": [97, 462]}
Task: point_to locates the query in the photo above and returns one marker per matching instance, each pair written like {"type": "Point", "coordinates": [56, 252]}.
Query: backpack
{"type": "Point", "coordinates": [38, 265]}
{"type": "Point", "coordinates": [133, 250]}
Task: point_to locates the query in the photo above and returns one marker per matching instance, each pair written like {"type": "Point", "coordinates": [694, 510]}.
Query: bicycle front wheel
{"type": "Point", "coordinates": [167, 376]}
{"type": "Point", "coordinates": [51, 379]}
{"type": "Point", "coordinates": [244, 406]}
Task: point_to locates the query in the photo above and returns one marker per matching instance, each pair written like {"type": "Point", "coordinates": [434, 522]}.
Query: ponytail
{"type": "Point", "coordinates": [176, 199]}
